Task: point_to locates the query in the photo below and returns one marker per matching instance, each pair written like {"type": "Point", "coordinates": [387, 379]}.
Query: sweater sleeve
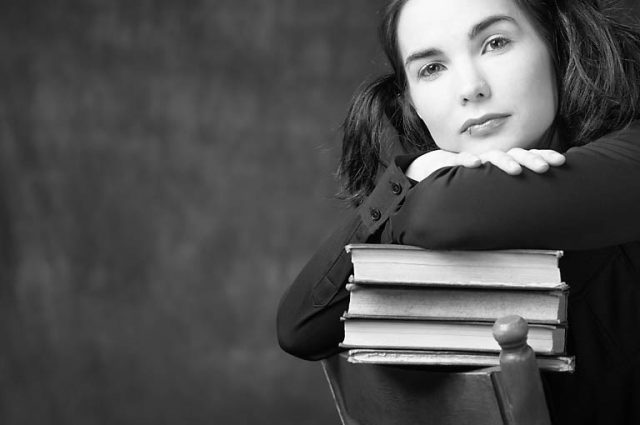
{"type": "Point", "coordinates": [592, 201]}
{"type": "Point", "coordinates": [308, 321]}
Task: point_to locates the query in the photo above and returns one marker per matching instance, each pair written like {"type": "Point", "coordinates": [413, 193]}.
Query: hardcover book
{"type": "Point", "coordinates": [458, 303]}
{"type": "Point", "coordinates": [386, 264]}
{"type": "Point", "coordinates": [443, 335]}
{"type": "Point", "coordinates": [450, 358]}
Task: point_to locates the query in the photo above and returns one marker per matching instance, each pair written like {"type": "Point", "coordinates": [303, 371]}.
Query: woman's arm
{"type": "Point", "coordinates": [592, 201]}
{"type": "Point", "coordinates": [511, 162]}
{"type": "Point", "coordinates": [308, 322]}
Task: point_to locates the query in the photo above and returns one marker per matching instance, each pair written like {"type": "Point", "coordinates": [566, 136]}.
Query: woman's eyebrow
{"type": "Point", "coordinates": [422, 54]}
{"type": "Point", "coordinates": [487, 22]}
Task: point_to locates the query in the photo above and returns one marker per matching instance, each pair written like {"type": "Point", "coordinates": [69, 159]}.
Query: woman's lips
{"type": "Point", "coordinates": [484, 125]}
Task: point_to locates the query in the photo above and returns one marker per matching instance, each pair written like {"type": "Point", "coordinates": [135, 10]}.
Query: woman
{"type": "Point", "coordinates": [491, 81]}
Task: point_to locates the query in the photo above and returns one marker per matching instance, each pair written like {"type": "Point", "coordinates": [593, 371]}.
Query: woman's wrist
{"type": "Point", "coordinates": [426, 164]}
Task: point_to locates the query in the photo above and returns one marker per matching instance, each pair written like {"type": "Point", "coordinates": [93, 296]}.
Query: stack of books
{"type": "Point", "coordinates": [410, 305]}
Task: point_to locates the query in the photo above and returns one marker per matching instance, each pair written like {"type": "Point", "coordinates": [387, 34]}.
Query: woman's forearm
{"type": "Point", "coordinates": [591, 201]}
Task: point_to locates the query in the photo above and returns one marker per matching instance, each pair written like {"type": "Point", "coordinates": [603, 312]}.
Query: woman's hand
{"type": "Point", "coordinates": [511, 162]}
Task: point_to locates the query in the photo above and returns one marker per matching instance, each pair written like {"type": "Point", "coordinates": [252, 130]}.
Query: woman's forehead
{"type": "Point", "coordinates": [432, 23]}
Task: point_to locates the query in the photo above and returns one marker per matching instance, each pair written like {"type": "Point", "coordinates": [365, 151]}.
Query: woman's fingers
{"type": "Point", "coordinates": [552, 158]}
{"type": "Point", "coordinates": [537, 160]}
{"type": "Point", "coordinates": [529, 159]}
{"type": "Point", "coordinates": [511, 162]}
{"type": "Point", "coordinates": [502, 160]}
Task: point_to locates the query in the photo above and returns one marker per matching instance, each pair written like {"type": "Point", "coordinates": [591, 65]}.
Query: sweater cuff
{"type": "Point", "coordinates": [389, 192]}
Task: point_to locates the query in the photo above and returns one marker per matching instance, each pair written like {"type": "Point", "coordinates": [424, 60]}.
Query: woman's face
{"type": "Point", "coordinates": [479, 75]}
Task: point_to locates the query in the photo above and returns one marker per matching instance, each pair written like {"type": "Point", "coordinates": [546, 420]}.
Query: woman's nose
{"type": "Point", "coordinates": [473, 87]}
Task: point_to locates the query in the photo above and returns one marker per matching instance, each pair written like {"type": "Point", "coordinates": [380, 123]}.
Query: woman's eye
{"type": "Point", "coordinates": [497, 43]}
{"type": "Point", "coordinates": [431, 70]}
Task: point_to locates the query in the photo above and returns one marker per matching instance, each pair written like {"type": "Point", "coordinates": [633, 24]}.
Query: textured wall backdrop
{"type": "Point", "coordinates": [165, 171]}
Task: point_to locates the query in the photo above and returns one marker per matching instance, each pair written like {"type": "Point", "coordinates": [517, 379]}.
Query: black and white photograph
{"type": "Point", "coordinates": [295, 212]}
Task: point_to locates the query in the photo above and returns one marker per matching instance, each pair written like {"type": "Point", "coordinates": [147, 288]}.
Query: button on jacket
{"type": "Point", "coordinates": [589, 207]}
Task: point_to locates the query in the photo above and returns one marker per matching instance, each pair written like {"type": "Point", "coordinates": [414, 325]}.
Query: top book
{"type": "Point", "coordinates": [410, 265]}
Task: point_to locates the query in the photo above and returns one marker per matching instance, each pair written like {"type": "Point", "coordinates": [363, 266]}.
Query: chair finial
{"type": "Point", "coordinates": [510, 332]}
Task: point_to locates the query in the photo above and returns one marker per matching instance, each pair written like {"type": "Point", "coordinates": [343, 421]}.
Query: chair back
{"type": "Point", "coordinates": [511, 394]}
{"type": "Point", "coordinates": [368, 394]}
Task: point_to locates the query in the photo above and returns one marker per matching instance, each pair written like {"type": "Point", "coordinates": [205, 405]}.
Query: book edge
{"type": "Point", "coordinates": [396, 247]}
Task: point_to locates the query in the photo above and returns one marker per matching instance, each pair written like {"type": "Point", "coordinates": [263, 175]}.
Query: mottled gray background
{"type": "Point", "coordinates": [165, 171]}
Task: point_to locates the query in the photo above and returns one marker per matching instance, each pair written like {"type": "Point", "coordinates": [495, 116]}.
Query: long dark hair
{"type": "Point", "coordinates": [597, 63]}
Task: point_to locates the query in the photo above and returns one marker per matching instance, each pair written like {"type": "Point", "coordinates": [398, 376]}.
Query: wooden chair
{"type": "Point", "coordinates": [510, 394]}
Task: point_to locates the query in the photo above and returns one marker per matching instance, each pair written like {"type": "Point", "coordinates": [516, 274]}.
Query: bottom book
{"type": "Point", "coordinates": [450, 358]}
